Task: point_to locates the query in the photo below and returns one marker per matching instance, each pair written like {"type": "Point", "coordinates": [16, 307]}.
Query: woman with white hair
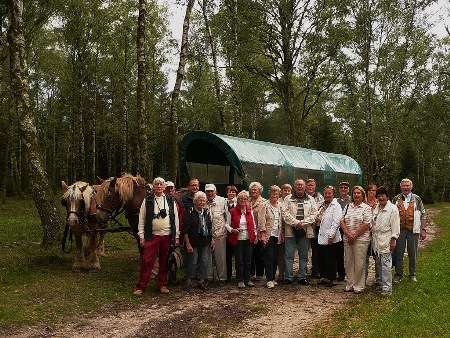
{"type": "Point", "coordinates": [196, 231]}
{"type": "Point", "coordinates": [241, 227]}
{"type": "Point", "coordinates": [257, 203]}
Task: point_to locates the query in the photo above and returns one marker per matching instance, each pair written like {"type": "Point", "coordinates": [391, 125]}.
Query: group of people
{"type": "Point", "coordinates": [342, 230]}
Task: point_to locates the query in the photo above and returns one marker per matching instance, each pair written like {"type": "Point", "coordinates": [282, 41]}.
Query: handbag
{"type": "Point", "coordinates": [299, 233]}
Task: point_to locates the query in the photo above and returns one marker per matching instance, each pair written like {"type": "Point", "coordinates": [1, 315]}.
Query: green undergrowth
{"type": "Point", "coordinates": [37, 285]}
{"type": "Point", "coordinates": [420, 309]}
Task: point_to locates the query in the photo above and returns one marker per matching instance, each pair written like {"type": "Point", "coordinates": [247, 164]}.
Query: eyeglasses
{"type": "Point", "coordinates": [242, 199]}
{"type": "Point", "coordinates": [343, 188]}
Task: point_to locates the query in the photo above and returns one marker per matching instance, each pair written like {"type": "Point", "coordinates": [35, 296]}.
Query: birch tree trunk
{"type": "Point", "coordinates": [40, 187]}
{"type": "Point", "coordinates": [173, 164]}
{"type": "Point", "coordinates": [144, 162]}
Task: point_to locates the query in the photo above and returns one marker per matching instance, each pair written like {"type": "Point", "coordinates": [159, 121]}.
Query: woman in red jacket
{"type": "Point", "coordinates": [241, 226]}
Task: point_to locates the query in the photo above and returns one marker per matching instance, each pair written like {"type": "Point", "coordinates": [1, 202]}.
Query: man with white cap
{"type": "Point", "coordinates": [158, 227]}
{"type": "Point", "coordinates": [218, 210]}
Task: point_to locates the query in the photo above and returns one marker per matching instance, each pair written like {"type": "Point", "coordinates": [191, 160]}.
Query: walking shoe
{"type": "Point", "coordinates": [323, 282]}
{"type": "Point", "coordinates": [287, 282]}
{"type": "Point", "coordinates": [378, 282]}
{"type": "Point", "coordinates": [315, 275]}
{"type": "Point", "coordinates": [164, 290]}
{"type": "Point", "coordinates": [386, 293]}
{"type": "Point", "coordinates": [275, 282]}
{"type": "Point", "coordinates": [413, 279]}
{"type": "Point", "coordinates": [330, 284]}
{"type": "Point", "coordinates": [303, 282]}
{"type": "Point", "coordinates": [397, 279]}
{"type": "Point", "coordinates": [187, 286]}
{"type": "Point", "coordinates": [201, 286]}
{"type": "Point", "coordinates": [241, 285]}
{"type": "Point", "coordinates": [138, 292]}
{"type": "Point", "coordinates": [270, 285]}
{"type": "Point", "coordinates": [341, 278]}
{"type": "Point", "coordinates": [258, 278]}
{"type": "Point", "coordinates": [250, 283]}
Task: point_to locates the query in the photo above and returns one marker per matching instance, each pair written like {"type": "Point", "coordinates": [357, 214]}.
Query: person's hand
{"type": "Point", "coordinates": [142, 242]}
{"type": "Point", "coordinates": [263, 239]}
{"type": "Point", "coordinates": [330, 241]}
{"type": "Point", "coordinates": [392, 244]}
{"type": "Point", "coordinates": [423, 234]}
{"type": "Point", "coordinates": [213, 244]}
{"type": "Point", "coordinates": [299, 225]}
{"type": "Point", "coordinates": [177, 241]}
{"type": "Point", "coordinates": [189, 248]}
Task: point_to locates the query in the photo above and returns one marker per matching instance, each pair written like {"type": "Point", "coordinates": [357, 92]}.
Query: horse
{"type": "Point", "coordinates": [126, 194]}
{"type": "Point", "coordinates": [79, 201]}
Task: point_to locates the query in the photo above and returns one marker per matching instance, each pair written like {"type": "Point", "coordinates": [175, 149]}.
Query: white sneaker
{"type": "Point", "coordinates": [241, 285]}
{"type": "Point", "coordinates": [270, 285]}
{"type": "Point", "coordinates": [275, 282]}
{"type": "Point", "coordinates": [250, 283]}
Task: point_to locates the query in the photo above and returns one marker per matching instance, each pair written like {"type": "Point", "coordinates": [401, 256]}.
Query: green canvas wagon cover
{"type": "Point", "coordinates": [225, 160]}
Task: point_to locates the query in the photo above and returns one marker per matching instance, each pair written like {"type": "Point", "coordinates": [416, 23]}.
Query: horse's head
{"type": "Point", "coordinates": [74, 199]}
{"type": "Point", "coordinates": [108, 199]}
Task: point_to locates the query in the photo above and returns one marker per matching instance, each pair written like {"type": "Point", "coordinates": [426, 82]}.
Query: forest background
{"type": "Point", "coordinates": [84, 87]}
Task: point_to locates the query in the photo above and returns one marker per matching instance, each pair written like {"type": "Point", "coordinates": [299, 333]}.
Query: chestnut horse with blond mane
{"type": "Point", "coordinates": [124, 194]}
{"type": "Point", "coordinates": [80, 203]}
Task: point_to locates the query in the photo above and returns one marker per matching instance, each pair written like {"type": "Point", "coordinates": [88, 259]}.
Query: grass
{"type": "Point", "coordinates": [419, 309]}
{"type": "Point", "coordinates": [37, 284]}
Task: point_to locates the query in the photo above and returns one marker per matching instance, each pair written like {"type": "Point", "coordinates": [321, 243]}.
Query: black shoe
{"type": "Point", "coordinates": [330, 284]}
{"type": "Point", "coordinates": [287, 282]}
{"type": "Point", "coordinates": [340, 278]}
{"type": "Point", "coordinates": [201, 286]}
{"type": "Point", "coordinates": [303, 282]}
{"type": "Point", "coordinates": [315, 275]}
{"type": "Point", "coordinates": [323, 282]}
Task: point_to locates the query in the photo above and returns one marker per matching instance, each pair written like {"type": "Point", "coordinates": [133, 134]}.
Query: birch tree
{"type": "Point", "coordinates": [40, 188]}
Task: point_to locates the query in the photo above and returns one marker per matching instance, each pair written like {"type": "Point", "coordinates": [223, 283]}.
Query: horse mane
{"type": "Point", "coordinates": [126, 186]}
{"type": "Point", "coordinates": [77, 195]}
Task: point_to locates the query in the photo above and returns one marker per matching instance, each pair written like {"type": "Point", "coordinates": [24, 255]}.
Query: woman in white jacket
{"type": "Point", "coordinates": [329, 217]}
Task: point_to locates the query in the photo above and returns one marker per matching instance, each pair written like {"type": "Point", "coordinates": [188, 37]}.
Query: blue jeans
{"type": "Point", "coordinates": [385, 265]}
{"type": "Point", "coordinates": [197, 262]}
{"type": "Point", "coordinates": [412, 239]}
{"type": "Point", "coordinates": [243, 258]}
{"type": "Point", "coordinates": [303, 247]}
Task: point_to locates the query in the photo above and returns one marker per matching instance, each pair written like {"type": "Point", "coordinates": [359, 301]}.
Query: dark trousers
{"type": "Point", "coordinates": [270, 256]}
{"type": "Point", "coordinates": [281, 261]}
{"type": "Point", "coordinates": [243, 256]}
{"type": "Point", "coordinates": [315, 269]}
{"type": "Point", "coordinates": [340, 258]}
{"type": "Point", "coordinates": [257, 266]}
{"type": "Point", "coordinates": [230, 254]}
{"type": "Point", "coordinates": [327, 257]}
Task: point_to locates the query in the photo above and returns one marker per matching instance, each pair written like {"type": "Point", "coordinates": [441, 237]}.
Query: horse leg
{"type": "Point", "coordinates": [78, 263]}
{"type": "Point", "coordinates": [93, 261]}
{"type": "Point", "coordinates": [101, 245]}
{"type": "Point", "coordinates": [133, 221]}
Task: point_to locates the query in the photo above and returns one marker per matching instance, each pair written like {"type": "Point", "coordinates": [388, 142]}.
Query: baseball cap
{"type": "Point", "coordinates": [210, 186]}
{"type": "Point", "coordinates": [170, 184]}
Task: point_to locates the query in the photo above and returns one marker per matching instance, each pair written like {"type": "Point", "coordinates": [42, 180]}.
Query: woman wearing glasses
{"type": "Point", "coordinates": [241, 226]}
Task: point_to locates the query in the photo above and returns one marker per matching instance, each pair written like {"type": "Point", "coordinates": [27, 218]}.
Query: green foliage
{"type": "Point", "coordinates": [418, 309]}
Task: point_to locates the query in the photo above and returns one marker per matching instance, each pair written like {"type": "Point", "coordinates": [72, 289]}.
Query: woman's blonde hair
{"type": "Point", "coordinates": [358, 187]}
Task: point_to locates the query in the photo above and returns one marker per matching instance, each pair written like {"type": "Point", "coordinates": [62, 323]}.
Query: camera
{"type": "Point", "coordinates": [163, 213]}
